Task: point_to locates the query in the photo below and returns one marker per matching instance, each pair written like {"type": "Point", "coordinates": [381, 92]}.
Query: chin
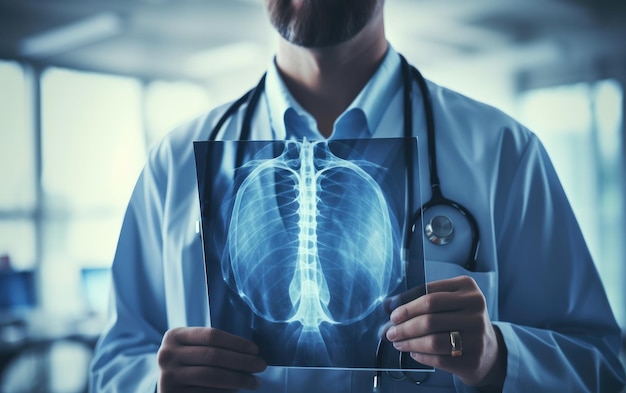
{"type": "Point", "coordinates": [318, 24]}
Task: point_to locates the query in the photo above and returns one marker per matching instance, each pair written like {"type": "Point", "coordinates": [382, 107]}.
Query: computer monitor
{"type": "Point", "coordinates": [96, 286]}
{"type": "Point", "coordinates": [17, 290]}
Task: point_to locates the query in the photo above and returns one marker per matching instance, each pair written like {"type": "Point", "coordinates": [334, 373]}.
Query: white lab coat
{"type": "Point", "coordinates": [541, 286]}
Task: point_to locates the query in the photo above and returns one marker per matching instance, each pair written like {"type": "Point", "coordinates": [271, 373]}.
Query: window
{"type": "Point", "coordinates": [93, 148]}
{"type": "Point", "coordinates": [95, 130]}
{"type": "Point", "coordinates": [17, 169]}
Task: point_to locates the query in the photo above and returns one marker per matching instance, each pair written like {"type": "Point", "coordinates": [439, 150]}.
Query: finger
{"type": "Point", "coordinates": [219, 357]}
{"type": "Point", "coordinates": [451, 284]}
{"type": "Point", "coordinates": [393, 302]}
{"type": "Point", "coordinates": [199, 389]}
{"type": "Point", "coordinates": [424, 325]}
{"type": "Point", "coordinates": [446, 363]}
{"type": "Point", "coordinates": [216, 338]}
{"type": "Point", "coordinates": [217, 378]}
{"type": "Point", "coordinates": [432, 344]}
{"type": "Point", "coordinates": [204, 390]}
{"type": "Point", "coordinates": [438, 302]}
{"type": "Point", "coordinates": [168, 388]}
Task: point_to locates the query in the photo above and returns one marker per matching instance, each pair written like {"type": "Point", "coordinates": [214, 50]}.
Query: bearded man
{"type": "Point", "coordinates": [530, 316]}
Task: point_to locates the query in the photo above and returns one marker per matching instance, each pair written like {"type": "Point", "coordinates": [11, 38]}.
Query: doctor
{"type": "Point", "coordinates": [532, 316]}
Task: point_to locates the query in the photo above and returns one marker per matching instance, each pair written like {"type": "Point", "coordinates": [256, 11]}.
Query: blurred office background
{"type": "Point", "coordinates": [87, 87]}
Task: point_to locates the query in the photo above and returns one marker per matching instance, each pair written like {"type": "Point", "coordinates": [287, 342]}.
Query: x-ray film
{"type": "Point", "coordinates": [303, 246]}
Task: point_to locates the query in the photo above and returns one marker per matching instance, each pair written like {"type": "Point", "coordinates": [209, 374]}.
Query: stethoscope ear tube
{"type": "Point", "coordinates": [229, 112]}
{"type": "Point", "coordinates": [252, 98]}
{"type": "Point", "coordinates": [437, 197]}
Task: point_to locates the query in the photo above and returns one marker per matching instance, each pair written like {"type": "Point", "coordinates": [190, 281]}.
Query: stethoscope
{"type": "Point", "coordinates": [438, 230]}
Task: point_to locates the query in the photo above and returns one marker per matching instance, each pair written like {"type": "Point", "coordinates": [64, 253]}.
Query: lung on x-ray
{"type": "Point", "coordinates": [303, 245]}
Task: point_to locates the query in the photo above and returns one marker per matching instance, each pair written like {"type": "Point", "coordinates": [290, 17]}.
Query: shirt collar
{"type": "Point", "coordinates": [367, 108]}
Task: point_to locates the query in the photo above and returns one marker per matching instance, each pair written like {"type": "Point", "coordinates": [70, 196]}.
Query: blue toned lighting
{"type": "Point", "coordinates": [311, 239]}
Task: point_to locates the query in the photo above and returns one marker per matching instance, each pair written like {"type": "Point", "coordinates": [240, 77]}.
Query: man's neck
{"type": "Point", "coordinates": [325, 81]}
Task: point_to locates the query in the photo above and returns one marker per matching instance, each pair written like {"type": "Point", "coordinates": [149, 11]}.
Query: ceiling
{"type": "Point", "coordinates": [201, 39]}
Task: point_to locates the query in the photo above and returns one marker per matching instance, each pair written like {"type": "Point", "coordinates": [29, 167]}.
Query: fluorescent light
{"type": "Point", "coordinates": [71, 36]}
{"type": "Point", "coordinates": [225, 59]}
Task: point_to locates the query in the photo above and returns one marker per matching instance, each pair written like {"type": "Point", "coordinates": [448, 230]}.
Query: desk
{"type": "Point", "coordinates": [47, 364]}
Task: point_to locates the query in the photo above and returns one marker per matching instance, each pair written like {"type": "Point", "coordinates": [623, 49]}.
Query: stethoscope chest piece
{"type": "Point", "coordinates": [439, 230]}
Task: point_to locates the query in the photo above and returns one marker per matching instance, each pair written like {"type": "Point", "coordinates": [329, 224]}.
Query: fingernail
{"type": "Point", "coordinates": [392, 333]}
{"type": "Point", "coordinates": [253, 349]}
{"type": "Point", "coordinates": [397, 345]}
{"type": "Point", "coordinates": [259, 366]}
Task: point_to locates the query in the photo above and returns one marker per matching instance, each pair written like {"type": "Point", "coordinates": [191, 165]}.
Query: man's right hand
{"type": "Point", "coordinates": [208, 360]}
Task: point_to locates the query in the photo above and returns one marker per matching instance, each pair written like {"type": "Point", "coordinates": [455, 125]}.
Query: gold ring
{"type": "Point", "coordinates": [457, 344]}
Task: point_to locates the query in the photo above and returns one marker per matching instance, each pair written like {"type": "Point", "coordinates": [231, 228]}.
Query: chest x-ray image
{"type": "Point", "coordinates": [303, 245]}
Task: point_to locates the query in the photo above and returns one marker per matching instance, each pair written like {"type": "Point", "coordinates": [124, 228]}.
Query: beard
{"type": "Point", "coordinates": [320, 23]}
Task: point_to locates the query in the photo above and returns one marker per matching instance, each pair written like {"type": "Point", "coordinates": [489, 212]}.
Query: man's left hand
{"type": "Point", "coordinates": [424, 327]}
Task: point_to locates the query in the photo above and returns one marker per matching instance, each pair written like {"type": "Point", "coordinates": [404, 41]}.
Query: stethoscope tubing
{"type": "Point", "coordinates": [253, 96]}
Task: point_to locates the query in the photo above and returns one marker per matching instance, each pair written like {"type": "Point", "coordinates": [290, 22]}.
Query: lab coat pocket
{"type": "Point", "coordinates": [487, 281]}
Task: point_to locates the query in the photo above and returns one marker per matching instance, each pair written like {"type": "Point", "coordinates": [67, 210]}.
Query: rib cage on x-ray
{"type": "Point", "coordinates": [310, 241]}
{"type": "Point", "coordinates": [303, 245]}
